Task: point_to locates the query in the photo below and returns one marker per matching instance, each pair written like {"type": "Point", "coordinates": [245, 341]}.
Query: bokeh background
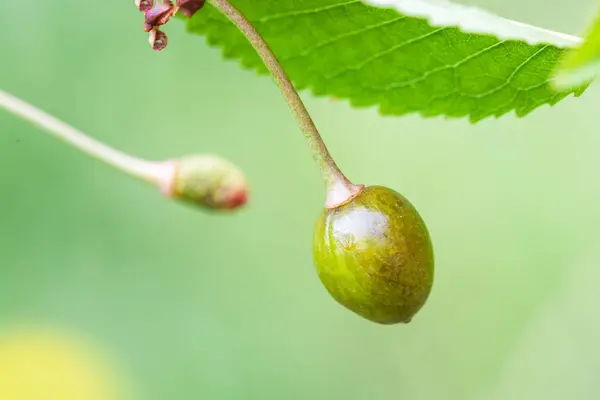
{"type": "Point", "coordinates": [190, 305]}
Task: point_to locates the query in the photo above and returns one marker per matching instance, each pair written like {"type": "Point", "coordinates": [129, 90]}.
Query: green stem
{"type": "Point", "coordinates": [339, 188]}
{"type": "Point", "coordinates": [155, 173]}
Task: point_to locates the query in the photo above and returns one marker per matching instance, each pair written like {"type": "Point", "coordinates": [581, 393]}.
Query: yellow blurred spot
{"type": "Point", "coordinates": [44, 365]}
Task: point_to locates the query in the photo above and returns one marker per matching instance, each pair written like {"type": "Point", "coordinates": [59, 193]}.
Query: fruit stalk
{"type": "Point", "coordinates": [203, 180]}
{"type": "Point", "coordinates": [339, 188]}
{"type": "Point", "coordinates": [142, 169]}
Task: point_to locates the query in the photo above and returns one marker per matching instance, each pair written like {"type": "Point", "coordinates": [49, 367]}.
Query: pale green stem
{"type": "Point", "coordinates": [146, 170]}
{"type": "Point", "coordinates": [339, 188]}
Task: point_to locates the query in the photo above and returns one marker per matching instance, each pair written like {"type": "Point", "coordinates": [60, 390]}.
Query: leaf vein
{"type": "Point", "coordinates": [425, 75]}
{"type": "Point", "coordinates": [311, 50]}
{"type": "Point", "coordinates": [381, 54]}
{"type": "Point", "coordinates": [512, 75]}
{"type": "Point", "coordinates": [297, 13]}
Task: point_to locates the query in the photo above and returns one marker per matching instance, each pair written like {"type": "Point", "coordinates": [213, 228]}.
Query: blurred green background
{"type": "Point", "coordinates": [201, 306]}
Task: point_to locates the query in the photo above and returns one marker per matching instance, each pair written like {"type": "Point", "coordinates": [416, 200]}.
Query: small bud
{"type": "Point", "coordinates": [158, 39]}
{"type": "Point", "coordinates": [144, 5]}
{"type": "Point", "coordinates": [190, 7]}
{"type": "Point", "coordinates": [208, 181]}
{"type": "Point", "coordinates": [158, 16]}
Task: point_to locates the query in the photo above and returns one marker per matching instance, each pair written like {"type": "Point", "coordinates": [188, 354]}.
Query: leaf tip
{"type": "Point", "coordinates": [566, 78]}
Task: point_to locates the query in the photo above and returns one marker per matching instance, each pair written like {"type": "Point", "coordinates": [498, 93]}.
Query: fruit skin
{"type": "Point", "coordinates": [374, 255]}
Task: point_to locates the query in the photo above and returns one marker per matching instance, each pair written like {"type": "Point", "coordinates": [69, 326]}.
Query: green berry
{"type": "Point", "coordinates": [374, 255]}
{"type": "Point", "coordinates": [208, 181]}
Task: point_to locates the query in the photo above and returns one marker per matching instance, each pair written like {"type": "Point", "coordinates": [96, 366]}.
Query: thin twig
{"type": "Point", "coordinates": [137, 167]}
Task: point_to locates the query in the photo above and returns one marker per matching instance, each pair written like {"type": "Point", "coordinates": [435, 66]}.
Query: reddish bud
{"type": "Point", "coordinates": [158, 16]}
{"type": "Point", "coordinates": [158, 39]}
{"type": "Point", "coordinates": [144, 5]}
{"type": "Point", "coordinates": [190, 7]}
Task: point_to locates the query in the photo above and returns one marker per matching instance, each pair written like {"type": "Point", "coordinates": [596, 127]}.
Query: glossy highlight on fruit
{"type": "Point", "coordinates": [374, 255]}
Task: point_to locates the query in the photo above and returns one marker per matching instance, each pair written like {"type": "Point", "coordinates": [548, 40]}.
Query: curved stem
{"type": "Point", "coordinates": [339, 188]}
{"type": "Point", "coordinates": [142, 169]}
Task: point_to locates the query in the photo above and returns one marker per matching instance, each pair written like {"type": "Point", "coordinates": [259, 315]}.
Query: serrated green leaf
{"type": "Point", "coordinates": [404, 56]}
{"type": "Point", "coordinates": [582, 64]}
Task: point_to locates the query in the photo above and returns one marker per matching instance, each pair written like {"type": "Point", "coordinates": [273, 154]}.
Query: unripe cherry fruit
{"type": "Point", "coordinates": [371, 248]}
{"type": "Point", "coordinates": [374, 255]}
{"type": "Point", "coordinates": [210, 181]}
{"type": "Point", "coordinates": [205, 180]}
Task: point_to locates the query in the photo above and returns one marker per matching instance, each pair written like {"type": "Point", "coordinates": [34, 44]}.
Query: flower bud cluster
{"type": "Point", "coordinates": [160, 12]}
